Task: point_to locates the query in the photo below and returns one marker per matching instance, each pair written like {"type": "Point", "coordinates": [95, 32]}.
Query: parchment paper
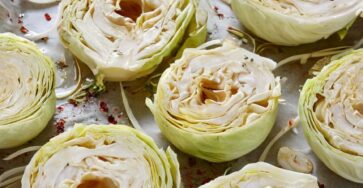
{"type": "Point", "coordinates": [194, 171]}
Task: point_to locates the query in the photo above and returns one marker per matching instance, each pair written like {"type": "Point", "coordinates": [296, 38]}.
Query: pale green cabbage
{"type": "Point", "coordinates": [295, 22]}
{"type": "Point", "coordinates": [128, 39]}
{"type": "Point", "coordinates": [27, 96]}
{"type": "Point", "coordinates": [263, 175]}
{"type": "Point", "coordinates": [217, 103]}
{"type": "Point", "coordinates": [100, 156]}
{"type": "Point", "coordinates": [331, 111]}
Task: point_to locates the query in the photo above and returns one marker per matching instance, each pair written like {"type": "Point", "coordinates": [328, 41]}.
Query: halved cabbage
{"type": "Point", "coordinates": [100, 156]}
{"type": "Point", "coordinates": [27, 96]}
{"type": "Point", "coordinates": [264, 175]}
{"type": "Point", "coordinates": [331, 111]}
{"type": "Point", "coordinates": [217, 103]}
{"type": "Point", "coordinates": [128, 39]}
{"type": "Point", "coordinates": [295, 22]}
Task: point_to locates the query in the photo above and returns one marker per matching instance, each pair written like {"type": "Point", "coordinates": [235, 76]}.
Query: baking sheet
{"type": "Point", "coordinates": [194, 171]}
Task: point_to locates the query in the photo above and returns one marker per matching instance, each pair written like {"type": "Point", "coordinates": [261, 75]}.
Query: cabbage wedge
{"type": "Point", "coordinates": [128, 39]}
{"type": "Point", "coordinates": [101, 156]}
{"type": "Point", "coordinates": [217, 102]}
{"type": "Point", "coordinates": [263, 175]}
{"type": "Point", "coordinates": [331, 111]}
{"type": "Point", "coordinates": [27, 95]}
{"type": "Point", "coordinates": [295, 22]}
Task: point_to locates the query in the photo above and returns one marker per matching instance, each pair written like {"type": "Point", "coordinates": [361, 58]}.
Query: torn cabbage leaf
{"type": "Point", "coordinates": [27, 95]}
{"type": "Point", "coordinates": [295, 22]}
{"type": "Point", "coordinates": [217, 102]}
{"type": "Point", "coordinates": [99, 156]}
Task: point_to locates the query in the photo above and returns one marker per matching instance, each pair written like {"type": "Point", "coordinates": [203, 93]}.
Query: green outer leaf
{"type": "Point", "coordinates": [218, 147]}
{"type": "Point", "coordinates": [344, 164]}
{"type": "Point", "coordinates": [170, 165]}
{"type": "Point", "coordinates": [24, 127]}
{"type": "Point", "coordinates": [343, 32]}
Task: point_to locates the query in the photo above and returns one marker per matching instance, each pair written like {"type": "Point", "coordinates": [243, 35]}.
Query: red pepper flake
{"type": "Point", "coordinates": [192, 162]}
{"type": "Point", "coordinates": [103, 107]}
{"type": "Point", "coordinates": [111, 119]}
{"type": "Point", "coordinates": [59, 125]}
{"type": "Point", "coordinates": [220, 15]}
{"type": "Point", "coordinates": [24, 29]}
{"type": "Point", "coordinates": [290, 122]}
{"type": "Point", "coordinates": [199, 172]}
{"type": "Point", "coordinates": [320, 185]}
{"type": "Point", "coordinates": [47, 17]}
{"type": "Point", "coordinates": [60, 108]}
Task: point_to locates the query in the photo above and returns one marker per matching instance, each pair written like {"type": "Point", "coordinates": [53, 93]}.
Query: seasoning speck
{"type": "Point", "coordinates": [73, 102]}
{"type": "Point", "coordinates": [60, 108]}
{"type": "Point", "coordinates": [45, 39]}
{"type": "Point", "coordinates": [321, 185]}
{"type": "Point", "coordinates": [103, 107]}
{"type": "Point", "coordinates": [24, 29]}
{"type": "Point", "coordinates": [111, 119]}
{"type": "Point", "coordinates": [61, 65]}
{"type": "Point", "coordinates": [220, 15]}
{"type": "Point", "coordinates": [47, 17]}
{"type": "Point", "coordinates": [59, 125]}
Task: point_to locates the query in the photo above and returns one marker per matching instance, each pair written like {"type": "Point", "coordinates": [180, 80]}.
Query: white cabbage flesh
{"type": "Point", "coordinates": [99, 156]}
{"type": "Point", "coordinates": [27, 97]}
{"type": "Point", "coordinates": [263, 175]}
{"type": "Point", "coordinates": [341, 108]}
{"type": "Point", "coordinates": [295, 22]}
{"type": "Point", "coordinates": [224, 92]}
{"type": "Point", "coordinates": [127, 39]}
{"type": "Point", "coordinates": [331, 107]}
